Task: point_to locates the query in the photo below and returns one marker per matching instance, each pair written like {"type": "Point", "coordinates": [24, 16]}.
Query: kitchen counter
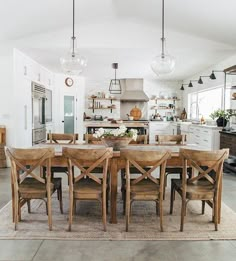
{"type": "Point", "coordinates": [232, 132]}
{"type": "Point", "coordinates": [105, 124]}
{"type": "Point", "coordinates": [206, 126]}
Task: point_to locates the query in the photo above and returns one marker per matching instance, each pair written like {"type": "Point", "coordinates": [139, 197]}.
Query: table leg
{"type": "Point", "coordinates": [114, 178]}
{"type": "Point", "coordinates": [219, 201]}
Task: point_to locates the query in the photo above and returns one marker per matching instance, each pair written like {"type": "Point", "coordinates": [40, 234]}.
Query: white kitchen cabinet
{"type": "Point", "coordinates": [23, 113]}
{"type": "Point", "coordinates": [207, 137]}
{"type": "Point", "coordinates": [26, 70]}
{"type": "Point", "coordinates": [158, 128]}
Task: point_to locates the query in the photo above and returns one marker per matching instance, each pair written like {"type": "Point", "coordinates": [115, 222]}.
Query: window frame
{"type": "Point", "coordinates": [206, 90]}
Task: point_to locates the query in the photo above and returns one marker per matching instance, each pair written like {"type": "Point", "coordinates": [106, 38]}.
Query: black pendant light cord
{"type": "Point", "coordinates": [163, 34]}
{"type": "Point", "coordinates": [73, 37]}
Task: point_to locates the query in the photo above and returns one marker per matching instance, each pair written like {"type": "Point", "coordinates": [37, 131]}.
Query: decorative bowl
{"type": "Point", "coordinates": [116, 142]}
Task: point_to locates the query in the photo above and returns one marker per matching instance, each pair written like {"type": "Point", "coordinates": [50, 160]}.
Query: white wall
{"type": "Point", "coordinates": [151, 87]}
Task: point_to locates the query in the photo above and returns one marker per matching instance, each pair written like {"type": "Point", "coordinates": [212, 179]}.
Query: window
{"type": "Point", "coordinates": [203, 103]}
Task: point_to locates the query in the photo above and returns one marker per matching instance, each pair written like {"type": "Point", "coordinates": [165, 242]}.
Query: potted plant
{"type": "Point", "coordinates": [116, 138]}
{"type": "Point", "coordinates": [221, 116]}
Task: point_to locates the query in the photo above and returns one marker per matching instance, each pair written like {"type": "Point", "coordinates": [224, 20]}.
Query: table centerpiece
{"type": "Point", "coordinates": [116, 138]}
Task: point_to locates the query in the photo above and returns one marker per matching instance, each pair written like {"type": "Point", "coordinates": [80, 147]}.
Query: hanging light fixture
{"type": "Point", "coordinates": [200, 81]}
{"type": "Point", "coordinates": [72, 63]}
{"type": "Point", "coordinates": [164, 63]}
{"type": "Point", "coordinates": [191, 83]}
{"type": "Point", "coordinates": [115, 87]}
{"type": "Point", "coordinates": [182, 86]}
{"type": "Point", "coordinates": [212, 76]}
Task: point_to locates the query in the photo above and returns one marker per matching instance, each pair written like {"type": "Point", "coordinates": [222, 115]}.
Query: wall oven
{"type": "Point", "coordinates": [38, 113]}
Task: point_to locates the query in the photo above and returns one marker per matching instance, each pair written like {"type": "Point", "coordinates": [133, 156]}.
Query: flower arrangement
{"type": "Point", "coordinates": [221, 114]}
{"type": "Point", "coordinates": [119, 132]}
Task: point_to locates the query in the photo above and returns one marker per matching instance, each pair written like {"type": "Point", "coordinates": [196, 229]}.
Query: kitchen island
{"type": "Point", "coordinates": [92, 126]}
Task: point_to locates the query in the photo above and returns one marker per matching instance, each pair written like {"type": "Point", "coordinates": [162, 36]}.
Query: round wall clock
{"type": "Point", "coordinates": [69, 81]}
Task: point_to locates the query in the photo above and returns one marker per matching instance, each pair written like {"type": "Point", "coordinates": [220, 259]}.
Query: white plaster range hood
{"type": "Point", "coordinates": [132, 90]}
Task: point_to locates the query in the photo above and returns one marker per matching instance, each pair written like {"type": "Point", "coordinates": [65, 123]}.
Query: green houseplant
{"type": "Point", "coordinates": [221, 116]}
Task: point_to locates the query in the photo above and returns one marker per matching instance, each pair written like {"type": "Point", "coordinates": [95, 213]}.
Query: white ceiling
{"type": "Point", "coordinates": [199, 33]}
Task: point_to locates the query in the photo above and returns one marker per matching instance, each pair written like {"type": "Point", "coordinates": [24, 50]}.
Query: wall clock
{"type": "Point", "coordinates": [69, 81]}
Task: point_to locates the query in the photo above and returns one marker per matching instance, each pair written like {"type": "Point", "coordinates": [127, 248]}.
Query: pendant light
{"type": "Point", "coordinates": [164, 63]}
{"type": "Point", "coordinates": [200, 81]}
{"type": "Point", "coordinates": [72, 63]}
{"type": "Point", "coordinates": [191, 83]}
{"type": "Point", "coordinates": [213, 76]}
{"type": "Point", "coordinates": [115, 87]}
{"type": "Point", "coordinates": [182, 86]}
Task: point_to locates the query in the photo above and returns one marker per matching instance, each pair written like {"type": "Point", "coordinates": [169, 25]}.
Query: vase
{"type": "Point", "coordinates": [221, 122]}
{"type": "Point", "coordinates": [116, 142]}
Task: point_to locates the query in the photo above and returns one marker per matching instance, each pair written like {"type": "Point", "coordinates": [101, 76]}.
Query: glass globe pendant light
{"type": "Point", "coordinates": [164, 63]}
{"type": "Point", "coordinates": [72, 63]}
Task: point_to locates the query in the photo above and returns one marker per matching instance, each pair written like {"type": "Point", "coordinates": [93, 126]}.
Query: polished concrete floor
{"type": "Point", "coordinates": [59, 250]}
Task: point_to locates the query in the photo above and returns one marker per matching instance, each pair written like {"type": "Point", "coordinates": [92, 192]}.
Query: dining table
{"type": "Point", "coordinates": [117, 163]}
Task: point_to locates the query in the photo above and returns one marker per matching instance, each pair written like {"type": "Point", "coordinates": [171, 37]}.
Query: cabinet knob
{"type": "Point", "coordinates": [63, 121]}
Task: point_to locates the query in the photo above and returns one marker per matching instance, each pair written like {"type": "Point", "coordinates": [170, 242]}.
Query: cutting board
{"type": "Point", "coordinates": [136, 113]}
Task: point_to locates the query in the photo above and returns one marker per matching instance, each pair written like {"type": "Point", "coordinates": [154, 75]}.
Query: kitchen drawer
{"type": "Point", "coordinates": [205, 131]}
{"type": "Point", "coordinates": [197, 129]}
{"type": "Point", "coordinates": [207, 143]}
{"type": "Point", "coordinates": [158, 126]}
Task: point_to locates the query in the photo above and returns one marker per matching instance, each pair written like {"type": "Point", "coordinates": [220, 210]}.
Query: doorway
{"type": "Point", "coordinates": [69, 114]}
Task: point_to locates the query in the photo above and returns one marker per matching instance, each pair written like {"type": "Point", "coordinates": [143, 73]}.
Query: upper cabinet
{"type": "Point", "coordinates": [29, 69]}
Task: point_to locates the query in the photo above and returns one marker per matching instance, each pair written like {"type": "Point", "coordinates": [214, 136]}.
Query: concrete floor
{"type": "Point", "coordinates": [59, 250]}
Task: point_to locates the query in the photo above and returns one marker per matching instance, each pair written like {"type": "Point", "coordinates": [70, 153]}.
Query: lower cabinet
{"type": "Point", "coordinates": [159, 128]}
{"type": "Point", "coordinates": [205, 137]}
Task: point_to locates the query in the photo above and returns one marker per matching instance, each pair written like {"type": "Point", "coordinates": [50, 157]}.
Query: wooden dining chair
{"type": "Point", "coordinates": [141, 139]}
{"type": "Point", "coordinates": [26, 183]}
{"type": "Point", "coordinates": [90, 139]}
{"type": "Point", "coordinates": [205, 185]}
{"type": "Point", "coordinates": [146, 187]}
{"type": "Point", "coordinates": [69, 138]}
{"type": "Point", "coordinates": [61, 138]}
{"type": "Point", "coordinates": [172, 140]}
{"type": "Point", "coordinates": [87, 186]}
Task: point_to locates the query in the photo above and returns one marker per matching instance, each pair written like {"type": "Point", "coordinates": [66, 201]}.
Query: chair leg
{"type": "Point", "coordinates": [28, 205]}
{"type": "Point", "coordinates": [16, 206]}
{"type": "Point", "coordinates": [46, 204]}
{"type": "Point", "coordinates": [183, 212]}
{"type": "Point", "coordinates": [172, 197]}
{"type": "Point", "coordinates": [161, 215]}
{"type": "Point", "coordinates": [215, 209]}
{"type": "Point", "coordinates": [203, 206]}
{"type": "Point", "coordinates": [74, 207]}
{"type": "Point", "coordinates": [19, 212]}
{"type": "Point", "coordinates": [124, 201]}
{"type": "Point", "coordinates": [60, 199]}
{"type": "Point", "coordinates": [157, 208]}
{"type": "Point", "coordinates": [165, 184]}
{"type": "Point", "coordinates": [49, 212]}
{"type": "Point", "coordinates": [71, 208]}
{"type": "Point", "coordinates": [127, 211]}
{"type": "Point", "coordinates": [104, 213]}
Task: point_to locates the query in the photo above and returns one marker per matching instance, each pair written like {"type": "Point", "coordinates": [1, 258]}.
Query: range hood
{"type": "Point", "coordinates": [132, 90]}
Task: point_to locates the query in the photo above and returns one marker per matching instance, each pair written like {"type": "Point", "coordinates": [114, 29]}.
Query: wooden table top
{"type": "Point", "coordinates": [174, 149]}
